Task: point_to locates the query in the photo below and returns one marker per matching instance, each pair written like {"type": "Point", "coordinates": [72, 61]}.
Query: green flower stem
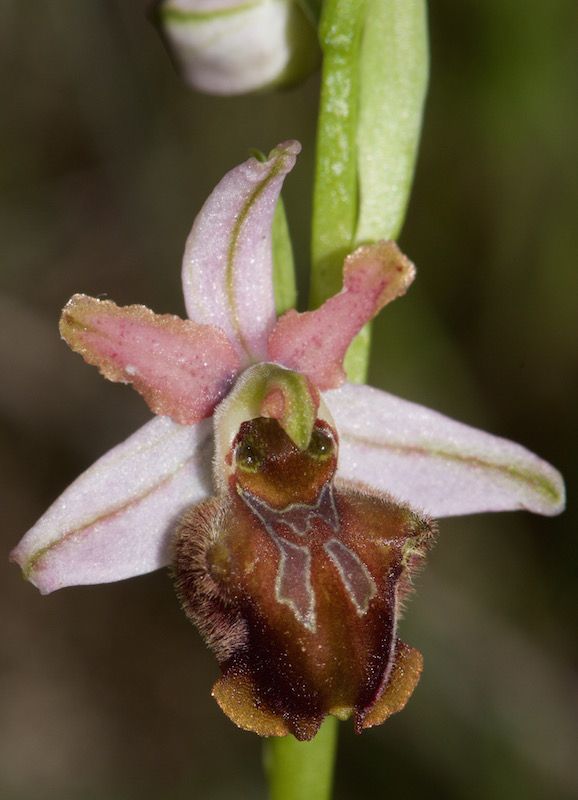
{"type": "Point", "coordinates": [302, 770]}
{"type": "Point", "coordinates": [335, 190]}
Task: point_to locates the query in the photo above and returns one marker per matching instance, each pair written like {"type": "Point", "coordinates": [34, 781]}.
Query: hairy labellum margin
{"type": "Point", "coordinates": [295, 584]}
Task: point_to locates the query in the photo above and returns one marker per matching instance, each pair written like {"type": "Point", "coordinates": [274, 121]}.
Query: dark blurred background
{"type": "Point", "coordinates": [105, 157]}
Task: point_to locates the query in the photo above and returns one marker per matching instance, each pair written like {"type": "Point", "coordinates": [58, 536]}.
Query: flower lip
{"type": "Point", "coordinates": [305, 580]}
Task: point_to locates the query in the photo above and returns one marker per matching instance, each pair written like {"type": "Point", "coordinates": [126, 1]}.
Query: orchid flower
{"type": "Point", "coordinates": [293, 559]}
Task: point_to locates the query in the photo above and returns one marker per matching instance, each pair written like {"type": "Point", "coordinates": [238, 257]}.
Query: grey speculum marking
{"type": "Point", "coordinates": [298, 517]}
{"type": "Point", "coordinates": [356, 578]}
{"type": "Point", "coordinates": [293, 586]}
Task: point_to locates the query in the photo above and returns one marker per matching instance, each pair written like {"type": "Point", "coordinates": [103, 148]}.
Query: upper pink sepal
{"type": "Point", "coordinates": [181, 368]}
{"type": "Point", "coordinates": [434, 463]}
{"type": "Point", "coordinates": [228, 262]}
{"type": "Point", "coordinates": [315, 342]}
{"type": "Point", "coordinates": [116, 520]}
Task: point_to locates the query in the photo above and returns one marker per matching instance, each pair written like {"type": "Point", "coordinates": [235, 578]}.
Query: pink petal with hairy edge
{"type": "Point", "coordinates": [181, 368]}
{"type": "Point", "coordinates": [433, 463]}
{"type": "Point", "coordinates": [227, 264]}
{"type": "Point", "coordinates": [115, 521]}
{"type": "Point", "coordinates": [315, 342]}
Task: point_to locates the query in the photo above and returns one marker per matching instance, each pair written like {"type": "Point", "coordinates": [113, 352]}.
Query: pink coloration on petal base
{"type": "Point", "coordinates": [315, 342]}
{"type": "Point", "coordinates": [181, 368]}
{"type": "Point", "coordinates": [227, 264]}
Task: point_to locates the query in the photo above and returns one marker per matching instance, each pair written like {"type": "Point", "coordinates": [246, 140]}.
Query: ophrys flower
{"type": "Point", "coordinates": [277, 386]}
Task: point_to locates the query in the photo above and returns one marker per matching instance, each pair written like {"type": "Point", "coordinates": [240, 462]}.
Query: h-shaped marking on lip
{"type": "Point", "coordinates": [355, 576]}
{"type": "Point", "coordinates": [293, 586]}
{"type": "Point", "coordinates": [293, 581]}
{"type": "Point", "coordinates": [298, 517]}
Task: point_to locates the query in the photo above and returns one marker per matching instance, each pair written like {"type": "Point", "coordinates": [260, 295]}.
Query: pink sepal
{"type": "Point", "coordinates": [434, 463]}
{"type": "Point", "coordinates": [116, 520]}
{"type": "Point", "coordinates": [315, 342]}
{"type": "Point", "coordinates": [181, 368]}
{"type": "Point", "coordinates": [228, 262]}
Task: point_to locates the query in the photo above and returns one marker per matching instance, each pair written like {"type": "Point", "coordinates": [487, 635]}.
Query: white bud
{"type": "Point", "coordinates": [238, 46]}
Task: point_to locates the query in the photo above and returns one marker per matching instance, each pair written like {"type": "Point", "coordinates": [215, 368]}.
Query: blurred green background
{"type": "Point", "coordinates": [105, 157]}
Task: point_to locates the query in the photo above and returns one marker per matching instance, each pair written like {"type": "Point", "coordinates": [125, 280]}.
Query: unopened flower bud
{"type": "Point", "coordinates": [230, 47]}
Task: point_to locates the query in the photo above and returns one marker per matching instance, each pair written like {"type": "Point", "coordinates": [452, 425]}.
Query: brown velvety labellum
{"type": "Point", "coordinates": [295, 584]}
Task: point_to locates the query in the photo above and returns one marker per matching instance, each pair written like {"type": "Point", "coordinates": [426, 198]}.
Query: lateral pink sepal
{"type": "Point", "coordinates": [116, 520]}
{"type": "Point", "coordinates": [315, 342]}
{"type": "Point", "coordinates": [181, 368]}
{"type": "Point", "coordinates": [228, 261]}
{"type": "Point", "coordinates": [435, 464]}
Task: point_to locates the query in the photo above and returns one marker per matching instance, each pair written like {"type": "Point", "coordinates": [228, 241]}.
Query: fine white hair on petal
{"type": "Point", "coordinates": [228, 260]}
{"type": "Point", "coordinates": [115, 521]}
{"type": "Point", "coordinates": [434, 463]}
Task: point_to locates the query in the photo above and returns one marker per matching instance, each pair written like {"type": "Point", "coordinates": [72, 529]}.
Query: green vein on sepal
{"type": "Point", "coordinates": [531, 478]}
{"type": "Point", "coordinates": [234, 238]}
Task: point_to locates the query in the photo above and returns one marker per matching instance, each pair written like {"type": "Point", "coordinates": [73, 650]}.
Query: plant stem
{"type": "Point", "coordinates": [302, 770]}
{"type": "Point", "coordinates": [335, 190]}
